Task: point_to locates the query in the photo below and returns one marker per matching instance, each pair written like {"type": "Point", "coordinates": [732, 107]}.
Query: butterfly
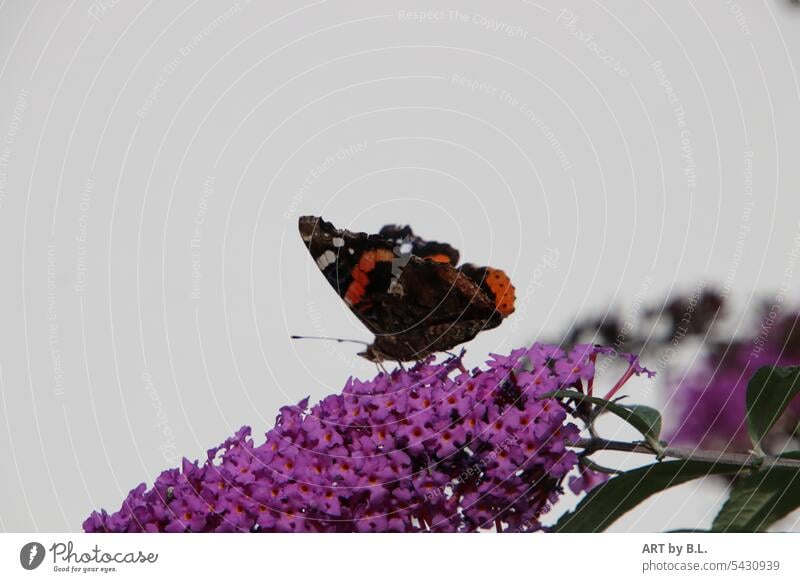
{"type": "Point", "coordinates": [407, 291]}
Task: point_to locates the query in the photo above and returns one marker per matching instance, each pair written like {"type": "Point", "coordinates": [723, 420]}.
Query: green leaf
{"type": "Point", "coordinates": [609, 501]}
{"type": "Point", "coordinates": [759, 500]}
{"type": "Point", "coordinates": [768, 394]}
{"type": "Point", "coordinates": [643, 418]}
{"type": "Point", "coordinates": [650, 416]}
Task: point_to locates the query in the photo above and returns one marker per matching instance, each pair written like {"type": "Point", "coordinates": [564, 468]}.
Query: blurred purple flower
{"type": "Point", "coordinates": [432, 448]}
{"type": "Point", "coordinates": [711, 397]}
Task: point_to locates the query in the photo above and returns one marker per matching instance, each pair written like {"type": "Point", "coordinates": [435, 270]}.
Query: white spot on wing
{"type": "Point", "coordinates": [338, 242]}
{"type": "Point", "coordinates": [326, 259]}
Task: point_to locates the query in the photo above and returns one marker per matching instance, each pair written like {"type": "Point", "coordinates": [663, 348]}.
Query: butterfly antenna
{"type": "Point", "coordinates": [333, 339]}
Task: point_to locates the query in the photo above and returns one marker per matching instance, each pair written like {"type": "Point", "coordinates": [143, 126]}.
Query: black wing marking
{"type": "Point", "coordinates": [419, 247]}
{"type": "Point", "coordinates": [359, 266]}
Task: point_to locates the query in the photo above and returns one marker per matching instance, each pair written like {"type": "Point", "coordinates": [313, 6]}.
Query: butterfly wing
{"type": "Point", "coordinates": [496, 284]}
{"type": "Point", "coordinates": [434, 307]}
{"type": "Point", "coordinates": [357, 265]}
{"type": "Point", "coordinates": [405, 238]}
{"type": "Point", "coordinates": [406, 290]}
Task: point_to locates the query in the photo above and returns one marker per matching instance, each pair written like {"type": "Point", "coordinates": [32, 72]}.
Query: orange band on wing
{"type": "Point", "coordinates": [367, 261]}
{"type": "Point", "coordinates": [438, 258]}
{"type": "Point", "coordinates": [384, 255]}
{"type": "Point", "coordinates": [504, 292]}
{"type": "Point", "coordinates": [357, 288]}
{"type": "Point", "coordinates": [355, 291]}
{"type": "Point", "coordinates": [360, 276]}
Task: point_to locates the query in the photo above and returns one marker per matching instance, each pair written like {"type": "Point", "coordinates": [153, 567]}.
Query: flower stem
{"type": "Point", "coordinates": [742, 459]}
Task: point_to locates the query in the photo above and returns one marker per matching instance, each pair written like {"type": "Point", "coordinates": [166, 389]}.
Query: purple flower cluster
{"type": "Point", "coordinates": [431, 448]}
{"type": "Point", "coordinates": [711, 398]}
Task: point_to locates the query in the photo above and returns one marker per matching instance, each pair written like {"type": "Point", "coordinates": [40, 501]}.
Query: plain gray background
{"type": "Point", "coordinates": [154, 158]}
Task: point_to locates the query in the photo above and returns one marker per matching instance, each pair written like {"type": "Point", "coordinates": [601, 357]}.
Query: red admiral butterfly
{"type": "Point", "coordinates": [406, 290]}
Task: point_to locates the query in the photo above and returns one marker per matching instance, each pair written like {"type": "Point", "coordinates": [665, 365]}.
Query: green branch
{"type": "Point", "coordinates": [745, 460]}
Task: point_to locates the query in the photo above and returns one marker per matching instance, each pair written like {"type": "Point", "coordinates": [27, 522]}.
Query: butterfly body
{"type": "Point", "coordinates": [407, 291]}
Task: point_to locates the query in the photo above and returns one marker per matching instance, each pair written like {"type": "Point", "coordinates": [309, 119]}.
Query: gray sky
{"type": "Point", "coordinates": [154, 159]}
